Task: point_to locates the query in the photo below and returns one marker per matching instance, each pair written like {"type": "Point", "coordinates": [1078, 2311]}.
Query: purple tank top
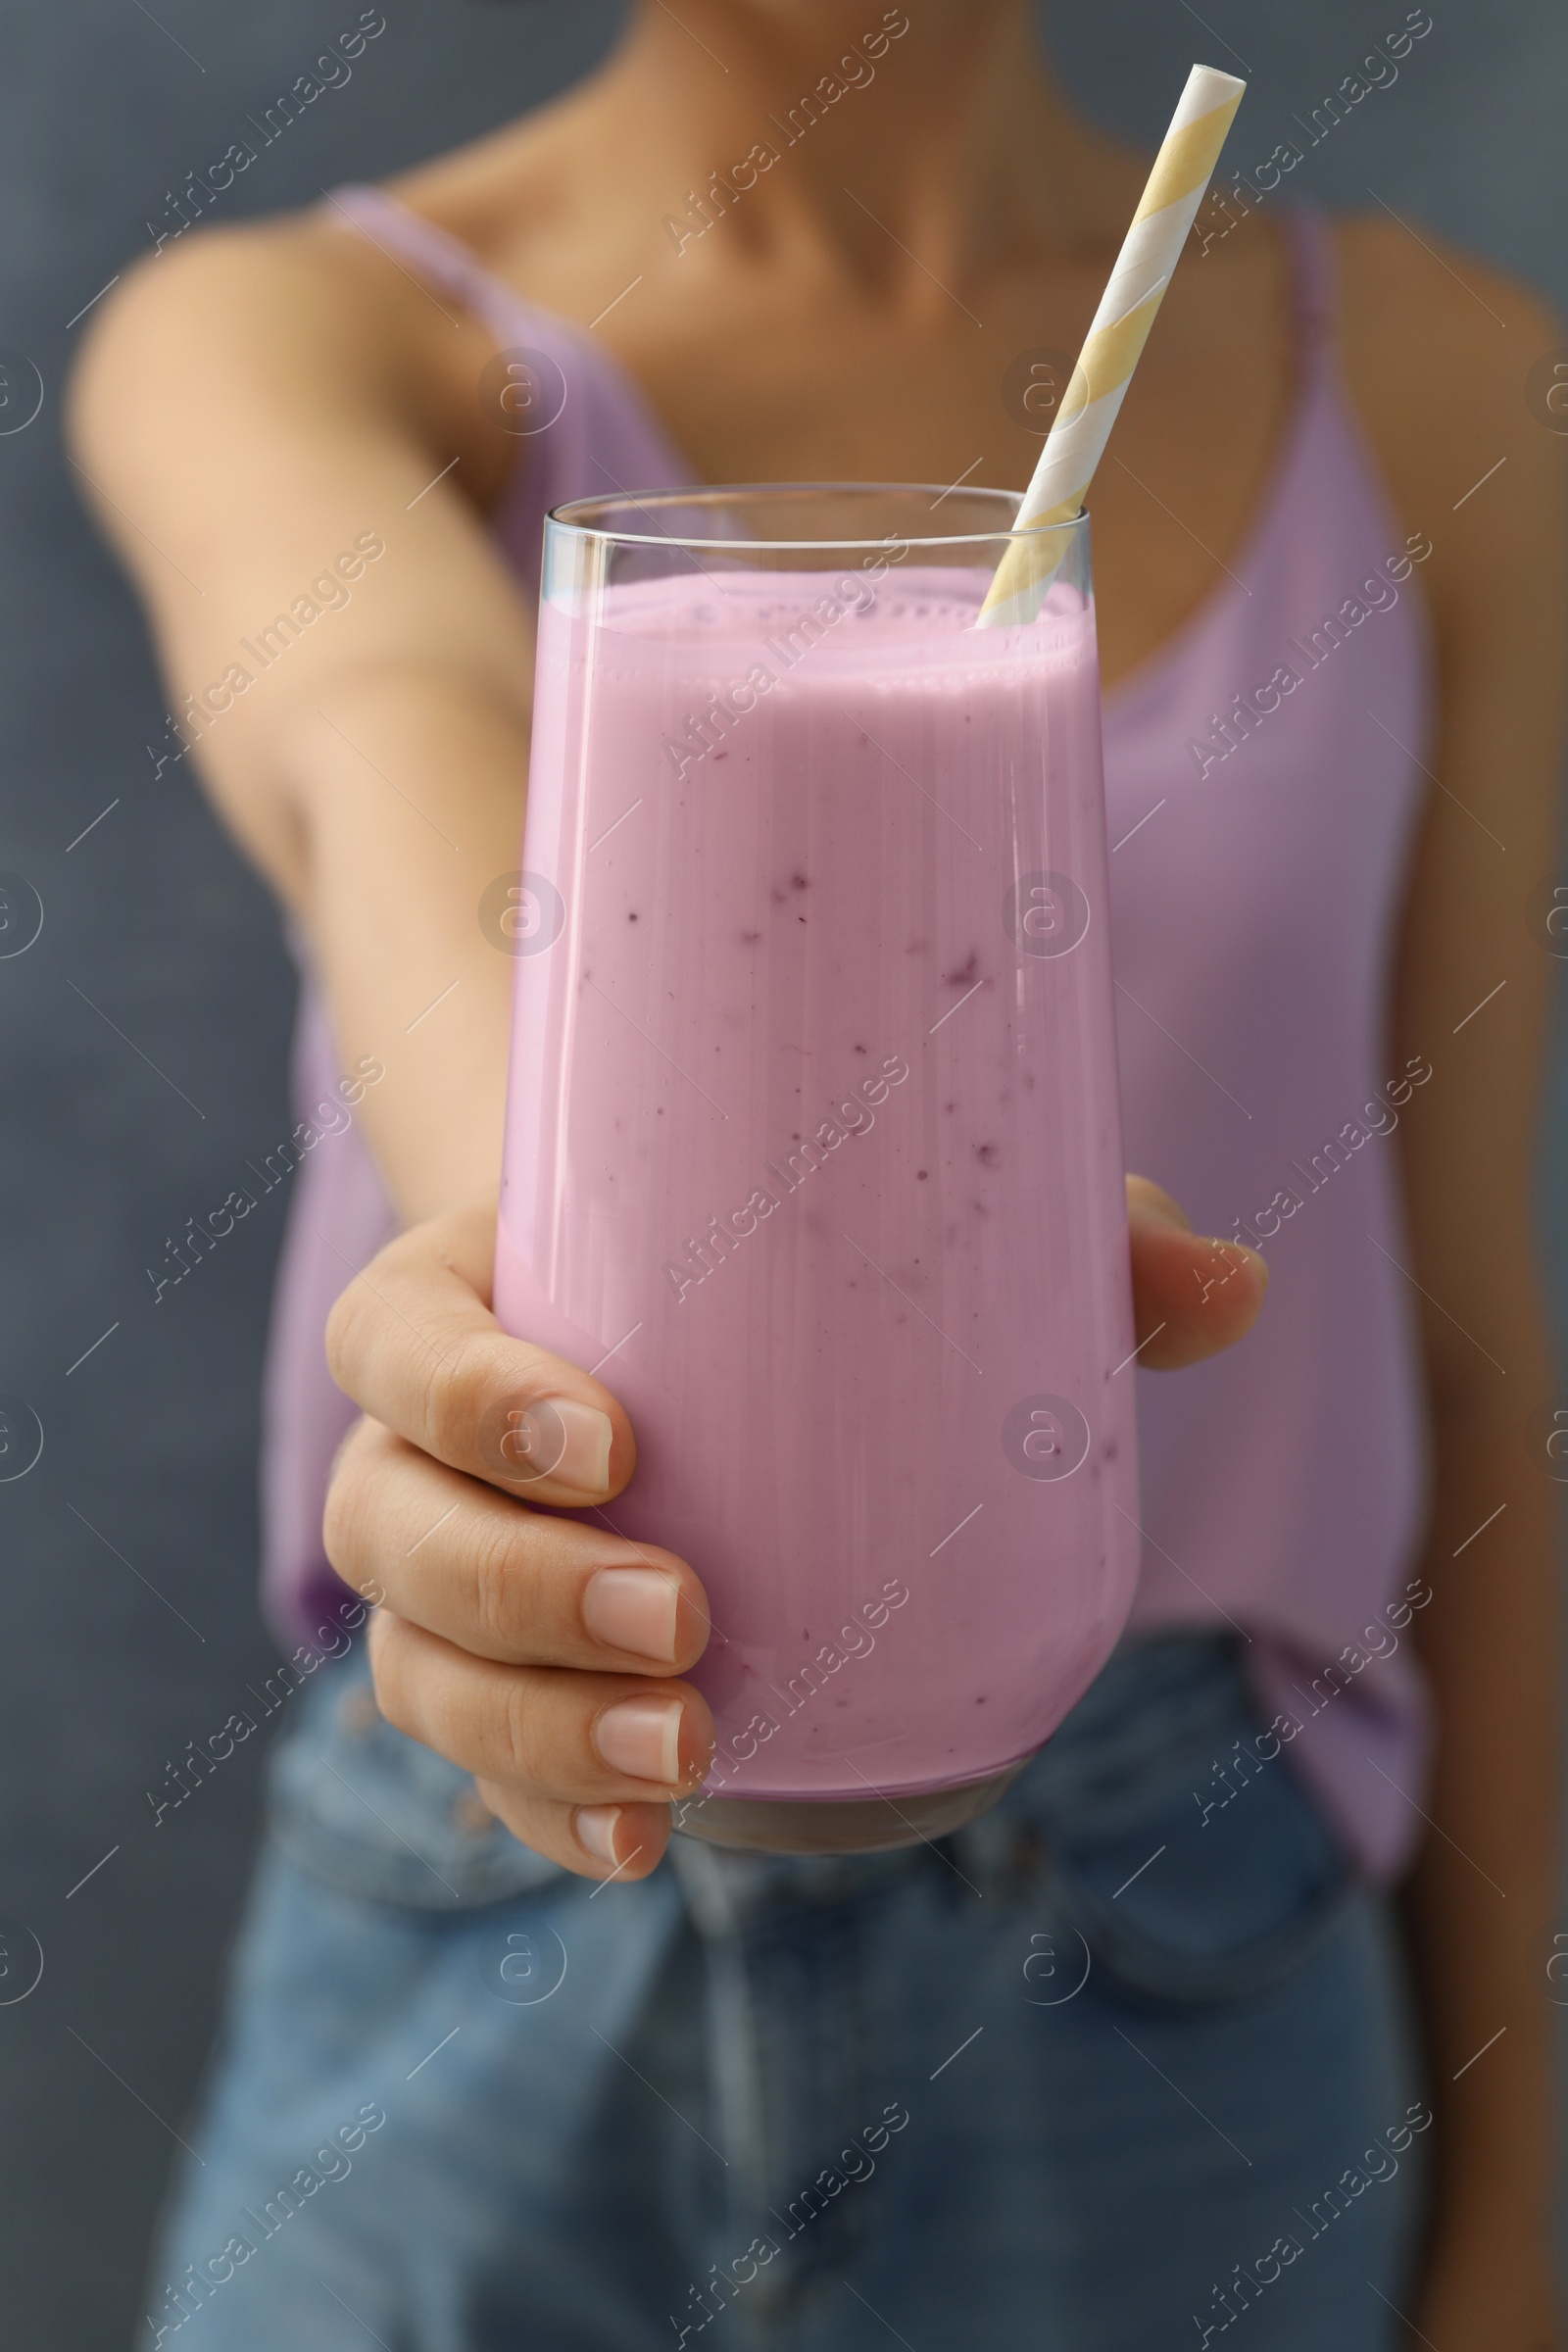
{"type": "Point", "coordinates": [1263, 775]}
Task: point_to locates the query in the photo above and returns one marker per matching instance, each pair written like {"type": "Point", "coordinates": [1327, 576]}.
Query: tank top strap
{"type": "Point", "coordinates": [439, 262]}
{"type": "Point", "coordinates": [1315, 284]}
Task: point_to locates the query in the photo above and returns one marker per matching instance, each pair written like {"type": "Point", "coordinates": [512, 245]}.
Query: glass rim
{"type": "Point", "coordinates": [567, 517]}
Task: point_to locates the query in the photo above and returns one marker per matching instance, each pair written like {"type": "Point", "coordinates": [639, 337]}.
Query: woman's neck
{"type": "Point", "coordinates": [932, 130]}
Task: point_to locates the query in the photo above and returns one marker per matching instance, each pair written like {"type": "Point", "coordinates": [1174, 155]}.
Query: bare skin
{"type": "Point", "coordinates": [254, 400]}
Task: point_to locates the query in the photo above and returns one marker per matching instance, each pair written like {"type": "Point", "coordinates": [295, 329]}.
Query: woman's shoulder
{"type": "Point", "coordinates": [296, 321]}
{"type": "Point", "coordinates": [296, 282]}
{"type": "Point", "coordinates": [345, 274]}
{"type": "Point", "coordinates": [1448, 361]}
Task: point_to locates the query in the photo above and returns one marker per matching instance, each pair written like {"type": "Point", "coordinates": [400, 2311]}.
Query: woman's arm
{"type": "Point", "coordinates": [271, 400]}
{"type": "Point", "coordinates": [261, 416]}
{"type": "Point", "coordinates": [1442, 367]}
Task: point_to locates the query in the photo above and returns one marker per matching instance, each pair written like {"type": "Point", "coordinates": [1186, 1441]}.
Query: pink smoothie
{"type": "Point", "coordinates": [813, 1147]}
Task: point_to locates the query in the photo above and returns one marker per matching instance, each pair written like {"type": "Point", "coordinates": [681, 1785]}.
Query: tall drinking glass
{"type": "Point", "coordinates": [812, 1144]}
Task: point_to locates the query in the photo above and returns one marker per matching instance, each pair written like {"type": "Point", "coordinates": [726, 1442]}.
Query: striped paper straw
{"type": "Point", "coordinates": [1150, 253]}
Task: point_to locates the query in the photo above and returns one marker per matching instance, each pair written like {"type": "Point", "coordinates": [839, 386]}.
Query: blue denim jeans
{"type": "Point", "coordinates": [1097, 2074]}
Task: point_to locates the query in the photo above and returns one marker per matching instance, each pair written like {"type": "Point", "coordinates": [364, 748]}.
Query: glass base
{"type": "Point", "coordinates": [850, 1825]}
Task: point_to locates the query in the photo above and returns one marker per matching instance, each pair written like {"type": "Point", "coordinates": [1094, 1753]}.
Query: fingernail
{"type": "Point", "coordinates": [1234, 1250]}
{"type": "Point", "coordinates": [562, 1439]}
{"type": "Point", "coordinates": [1162, 1210]}
{"type": "Point", "coordinates": [593, 1828]}
{"type": "Point", "coordinates": [633, 1608]}
{"type": "Point", "coordinates": [640, 1737]}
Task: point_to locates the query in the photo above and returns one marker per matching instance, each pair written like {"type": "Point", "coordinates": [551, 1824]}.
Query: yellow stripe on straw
{"type": "Point", "coordinates": [1148, 255]}
{"type": "Point", "coordinates": [1187, 159]}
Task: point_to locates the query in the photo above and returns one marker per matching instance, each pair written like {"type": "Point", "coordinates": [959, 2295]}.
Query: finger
{"type": "Point", "coordinates": [1191, 1295]}
{"type": "Point", "coordinates": [412, 1341]}
{"type": "Point", "coordinates": [598, 1841]}
{"type": "Point", "coordinates": [580, 1739]}
{"type": "Point", "coordinates": [446, 1552]}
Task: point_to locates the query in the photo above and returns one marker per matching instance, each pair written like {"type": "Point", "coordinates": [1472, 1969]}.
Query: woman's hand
{"type": "Point", "coordinates": [544, 1654]}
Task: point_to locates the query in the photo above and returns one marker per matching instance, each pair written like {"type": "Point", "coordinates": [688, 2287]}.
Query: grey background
{"type": "Point", "coordinates": [127, 1623]}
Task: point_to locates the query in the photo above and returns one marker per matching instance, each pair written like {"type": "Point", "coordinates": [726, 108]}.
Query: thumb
{"type": "Point", "coordinates": [1192, 1293]}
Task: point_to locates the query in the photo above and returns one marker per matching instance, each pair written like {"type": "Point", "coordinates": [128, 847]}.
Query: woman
{"type": "Point", "coordinates": [1045, 2085]}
